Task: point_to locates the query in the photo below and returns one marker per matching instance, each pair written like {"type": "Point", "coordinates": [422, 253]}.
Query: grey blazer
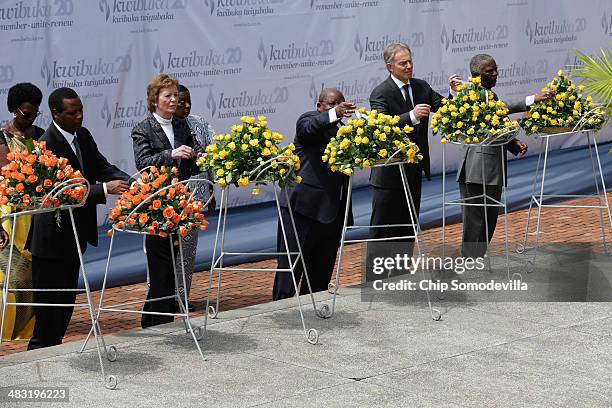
{"type": "Point", "coordinates": [152, 147]}
{"type": "Point", "coordinates": [470, 169]}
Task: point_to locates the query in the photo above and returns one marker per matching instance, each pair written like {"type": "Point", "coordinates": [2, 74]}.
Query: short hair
{"type": "Point", "coordinates": [56, 99]}
{"type": "Point", "coordinates": [182, 88]}
{"type": "Point", "coordinates": [327, 91]}
{"type": "Point", "coordinates": [159, 82]}
{"type": "Point", "coordinates": [391, 49]}
{"type": "Point", "coordinates": [21, 93]}
{"type": "Point", "coordinates": [477, 62]}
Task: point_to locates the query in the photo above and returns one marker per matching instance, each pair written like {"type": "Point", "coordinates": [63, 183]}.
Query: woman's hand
{"type": "Point", "coordinates": [4, 238]}
{"type": "Point", "coordinates": [183, 152]}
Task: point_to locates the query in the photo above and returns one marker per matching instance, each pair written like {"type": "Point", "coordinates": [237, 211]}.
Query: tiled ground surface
{"type": "Point", "coordinates": [241, 289]}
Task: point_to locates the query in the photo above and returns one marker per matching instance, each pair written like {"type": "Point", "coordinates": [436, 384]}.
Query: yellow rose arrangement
{"type": "Point", "coordinates": [564, 110]}
{"type": "Point", "coordinates": [472, 115]}
{"type": "Point", "coordinates": [250, 153]}
{"type": "Point", "coordinates": [370, 139]}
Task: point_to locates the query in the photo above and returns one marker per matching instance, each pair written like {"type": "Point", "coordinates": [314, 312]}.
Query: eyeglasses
{"type": "Point", "coordinates": [32, 115]}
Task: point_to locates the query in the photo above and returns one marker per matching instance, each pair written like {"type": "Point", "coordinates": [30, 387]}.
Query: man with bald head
{"type": "Point", "coordinates": [318, 202]}
{"type": "Point", "coordinates": [476, 232]}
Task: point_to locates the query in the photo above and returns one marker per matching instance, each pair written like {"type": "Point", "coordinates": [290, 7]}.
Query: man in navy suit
{"type": "Point", "coordinates": [318, 202]}
{"type": "Point", "coordinates": [412, 100]}
{"type": "Point", "coordinates": [55, 261]}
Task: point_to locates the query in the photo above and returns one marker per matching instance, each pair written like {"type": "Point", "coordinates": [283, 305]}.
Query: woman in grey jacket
{"type": "Point", "coordinates": [162, 140]}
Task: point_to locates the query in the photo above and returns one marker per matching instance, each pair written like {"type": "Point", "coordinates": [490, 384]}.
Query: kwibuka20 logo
{"type": "Point", "coordinates": [158, 62]}
{"type": "Point", "coordinates": [358, 46]}
{"type": "Point", "coordinates": [308, 52]}
{"type": "Point", "coordinates": [554, 28]}
{"type": "Point", "coordinates": [104, 8]}
{"type": "Point", "coordinates": [472, 35]}
{"type": "Point", "coordinates": [211, 104]}
{"type": "Point", "coordinates": [7, 73]}
{"type": "Point", "coordinates": [136, 6]}
{"type": "Point", "coordinates": [444, 38]}
{"type": "Point", "coordinates": [243, 102]}
{"type": "Point", "coordinates": [313, 92]}
{"type": "Point", "coordinates": [45, 71]}
{"type": "Point", "coordinates": [50, 70]}
{"type": "Point", "coordinates": [123, 115]}
{"type": "Point", "coordinates": [195, 58]}
{"type": "Point", "coordinates": [211, 5]}
{"type": "Point", "coordinates": [261, 54]}
{"type": "Point", "coordinates": [606, 23]}
{"type": "Point", "coordinates": [371, 48]}
{"type": "Point", "coordinates": [105, 113]}
{"type": "Point", "coordinates": [20, 10]}
{"type": "Point", "coordinates": [356, 90]}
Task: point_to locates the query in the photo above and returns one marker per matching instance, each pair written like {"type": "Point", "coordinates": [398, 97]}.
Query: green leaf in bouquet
{"type": "Point", "coordinates": [29, 143]}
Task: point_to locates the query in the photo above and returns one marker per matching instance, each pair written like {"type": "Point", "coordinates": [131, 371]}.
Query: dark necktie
{"type": "Point", "coordinates": [408, 98]}
{"type": "Point", "coordinates": [77, 151]}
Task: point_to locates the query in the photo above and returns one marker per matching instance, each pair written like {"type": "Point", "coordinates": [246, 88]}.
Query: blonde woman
{"type": "Point", "coordinates": [162, 140]}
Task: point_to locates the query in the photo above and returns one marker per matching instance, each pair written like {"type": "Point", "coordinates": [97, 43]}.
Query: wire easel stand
{"type": "Point", "coordinates": [56, 194]}
{"type": "Point", "coordinates": [257, 175]}
{"type": "Point", "coordinates": [499, 139]}
{"type": "Point", "coordinates": [539, 198]}
{"type": "Point", "coordinates": [324, 310]}
{"type": "Point", "coordinates": [196, 332]}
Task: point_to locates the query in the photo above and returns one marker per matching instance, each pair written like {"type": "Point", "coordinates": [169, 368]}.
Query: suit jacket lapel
{"type": "Point", "coordinates": [395, 93]}
{"type": "Point", "coordinates": [159, 132]}
{"type": "Point", "coordinates": [397, 96]}
{"type": "Point", "coordinates": [416, 92]}
{"type": "Point", "coordinates": [61, 148]}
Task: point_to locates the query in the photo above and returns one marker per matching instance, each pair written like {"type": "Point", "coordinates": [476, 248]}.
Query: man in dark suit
{"type": "Point", "coordinates": [318, 202]}
{"type": "Point", "coordinates": [493, 158]}
{"type": "Point", "coordinates": [55, 261]}
{"type": "Point", "coordinates": [412, 100]}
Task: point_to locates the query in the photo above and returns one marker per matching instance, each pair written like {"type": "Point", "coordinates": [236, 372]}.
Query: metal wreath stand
{"type": "Point", "coordinates": [539, 199]}
{"type": "Point", "coordinates": [196, 332]}
{"type": "Point", "coordinates": [312, 335]}
{"type": "Point", "coordinates": [325, 311]}
{"type": "Point", "coordinates": [56, 194]}
{"type": "Point", "coordinates": [500, 139]}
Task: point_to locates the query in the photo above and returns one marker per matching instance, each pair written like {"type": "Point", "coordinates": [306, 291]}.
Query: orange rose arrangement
{"type": "Point", "coordinates": [156, 206]}
{"type": "Point", "coordinates": [33, 176]}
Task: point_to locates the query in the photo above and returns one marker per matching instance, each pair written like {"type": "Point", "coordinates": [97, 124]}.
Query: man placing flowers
{"type": "Point", "coordinates": [318, 202]}
{"type": "Point", "coordinates": [55, 261]}
{"type": "Point", "coordinates": [470, 172]}
{"type": "Point", "coordinates": [411, 99]}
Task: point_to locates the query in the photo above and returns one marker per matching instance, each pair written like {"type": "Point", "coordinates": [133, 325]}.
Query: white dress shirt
{"type": "Point", "coordinates": [333, 118]}
{"type": "Point", "coordinates": [400, 85]}
{"type": "Point", "coordinates": [332, 115]}
{"type": "Point", "coordinates": [166, 125]}
{"type": "Point", "coordinates": [68, 136]}
{"type": "Point", "coordinates": [70, 139]}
